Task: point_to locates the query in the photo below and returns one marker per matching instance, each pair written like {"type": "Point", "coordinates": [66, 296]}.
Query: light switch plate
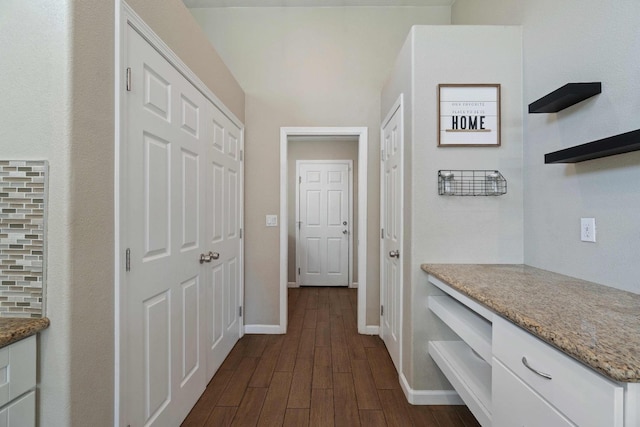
{"type": "Point", "coordinates": [272, 220]}
{"type": "Point", "coordinates": [588, 229]}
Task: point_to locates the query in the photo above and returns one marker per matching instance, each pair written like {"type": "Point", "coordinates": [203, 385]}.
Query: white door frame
{"type": "Point", "coordinates": [124, 16]}
{"type": "Point", "coordinates": [350, 282]}
{"type": "Point", "coordinates": [361, 133]}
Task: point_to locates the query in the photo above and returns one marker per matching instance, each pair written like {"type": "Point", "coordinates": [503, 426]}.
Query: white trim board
{"type": "Point", "coordinates": [262, 329]}
{"type": "Point", "coordinates": [362, 134]}
{"type": "Point", "coordinates": [429, 397]}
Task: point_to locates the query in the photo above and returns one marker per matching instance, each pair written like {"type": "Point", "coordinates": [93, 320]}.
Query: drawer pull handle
{"type": "Point", "coordinates": [542, 374]}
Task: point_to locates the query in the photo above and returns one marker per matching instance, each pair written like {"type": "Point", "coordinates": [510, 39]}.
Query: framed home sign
{"type": "Point", "coordinates": [468, 115]}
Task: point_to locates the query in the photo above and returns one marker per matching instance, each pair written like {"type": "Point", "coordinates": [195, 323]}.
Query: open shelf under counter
{"type": "Point", "coordinates": [468, 373]}
{"type": "Point", "coordinates": [474, 330]}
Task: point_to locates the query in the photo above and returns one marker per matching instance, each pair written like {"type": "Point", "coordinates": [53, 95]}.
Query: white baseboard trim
{"type": "Point", "coordinates": [370, 330]}
{"type": "Point", "coordinates": [292, 285]}
{"type": "Point", "coordinates": [263, 329]}
{"type": "Point", "coordinates": [429, 397]}
{"type": "Point", "coordinates": [354, 285]}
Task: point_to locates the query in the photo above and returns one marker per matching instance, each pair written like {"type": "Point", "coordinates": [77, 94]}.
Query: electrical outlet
{"type": "Point", "coordinates": [588, 229]}
{"type": "Point", "coordinates": [272, 220]}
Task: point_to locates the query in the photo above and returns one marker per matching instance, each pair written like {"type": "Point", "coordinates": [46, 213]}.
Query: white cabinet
{"type": "Point", "coordinates": [507, 377]}
{"type": "Point", "coordinates": [466, 362]}
{"type": "Point", "coordinates": [582, 395]}
{"type": "Point", "coordinates": [17, 383]}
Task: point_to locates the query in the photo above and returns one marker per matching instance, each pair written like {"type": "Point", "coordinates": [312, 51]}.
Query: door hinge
{"type": "Point", "coordinates": [382, 310]}
{"type": "Point", "coordinates": [298, 271]}
{"type": "Point", "coordinates": [241, 155]}
{"type": "Point", "coordinates": [241, 233]}
{"type": "Point", "coordinates": [382, 233]}
{"type": "Point", "coordinates": [299, 180]}
{"type": "Point", "coordinates": [129, 79]}
{"type": "Point", "coordinates": [240, 311]}
{"type": "Point", "coordinates": [127, 260]}
{"type": "Point", "coordinates": [382, 155]}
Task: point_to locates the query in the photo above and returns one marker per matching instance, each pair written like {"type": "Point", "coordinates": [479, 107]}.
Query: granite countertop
{"type": "Point", "coordinates": [14, 329]}
{"type": "Point", "coordinates": [596, 325]}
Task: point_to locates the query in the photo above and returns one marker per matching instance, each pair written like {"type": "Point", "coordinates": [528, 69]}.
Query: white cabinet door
{"type": "Point", "coordinates": [20, 413]}
{"type": "Point", "coordinates": [391, 222]}
{"type": "Point", "coordinates": [516, 405]}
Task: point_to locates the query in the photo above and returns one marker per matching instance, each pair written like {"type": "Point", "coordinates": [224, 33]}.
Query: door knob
{"type": "Point", "coordinates": [345, 231]}
{"type": "Point", "coordinates": [394, 254]}
{"type": "Point", "coordinates": [209, 257]}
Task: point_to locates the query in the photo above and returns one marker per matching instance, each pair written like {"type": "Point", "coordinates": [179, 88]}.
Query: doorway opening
{"type": "Point", "coordinates": [290, 140]}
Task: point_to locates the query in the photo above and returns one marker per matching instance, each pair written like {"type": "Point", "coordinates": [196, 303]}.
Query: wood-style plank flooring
{"type": "Point", "coordinates": [321, 373]}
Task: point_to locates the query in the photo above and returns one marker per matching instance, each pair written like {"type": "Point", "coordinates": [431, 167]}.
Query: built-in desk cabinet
{"type": "Point", "coordinates": [18, 383]}
{"type": "Point", "coordinates": [507, 377]}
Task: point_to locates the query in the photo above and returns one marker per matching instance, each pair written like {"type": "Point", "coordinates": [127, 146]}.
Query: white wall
{"type": "Point", "coordinates": [578, 41]}
{"type": "Point", "coordinates": [442, 229]}
{"type": "Point", "coordinates": [57, 87]}
{"type": "Point", "coordinates": [306, 67]}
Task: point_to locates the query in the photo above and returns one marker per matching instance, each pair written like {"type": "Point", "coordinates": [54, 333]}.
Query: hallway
{"type": "Point", "coordinates": [321, 373]}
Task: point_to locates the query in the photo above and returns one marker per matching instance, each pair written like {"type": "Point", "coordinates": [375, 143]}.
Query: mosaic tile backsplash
{"type": "Point", "coordinates": [22, 230]}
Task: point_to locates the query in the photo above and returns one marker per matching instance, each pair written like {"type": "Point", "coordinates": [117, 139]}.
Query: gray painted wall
{"type": "Point", "coordinates": [577, 41]}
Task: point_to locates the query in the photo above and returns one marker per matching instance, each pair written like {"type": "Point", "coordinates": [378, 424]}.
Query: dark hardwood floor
{"type": "Point", "coordinates": [321, 373]}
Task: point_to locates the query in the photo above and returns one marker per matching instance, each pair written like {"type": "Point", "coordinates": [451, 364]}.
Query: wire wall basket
{"type": "Point", "coordinates": [471, 183]}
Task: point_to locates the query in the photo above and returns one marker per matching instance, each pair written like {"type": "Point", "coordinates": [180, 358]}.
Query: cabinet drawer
{"type": "Point", "coordinates": [17, 369]}
{"type": "Point", "coordinates": [582, 395]}
{"type": "Point", "coordinates": [516, 404]}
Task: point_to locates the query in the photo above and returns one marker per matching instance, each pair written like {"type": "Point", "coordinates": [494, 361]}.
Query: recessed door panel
{"type": "Point", "coordinates": [232, 146]}
{"type": "Point", "coordinates": [190, 116]}
{"type": "Point", "coordinates": [216, 303]}
{"type": "Point", "coordinates": [157, 93]}
{"type": "Point", "coordinates": [312, 217]}
{"type": "Point", "coordinates": [157, 354]}
{"type": "Point", "coordinates": [157, 197]}
{"type": "Point", "coordinates": [231, 291]}
{"type": "Point", "coordinates": [335, 209]}
{"type": "Point", "coordinates": [218, 137]}
{"type": "Point", "coordinates": [190, 328]}
{"type": "Point", "coordinates": [190, 200]}
{"type": "Point", "coordinates": [232, 205]}
{"type": "Point", "coordinates": [217, 197]}
{"type": "Point", "coordinates": [334, 255]}
{"type": "Point", "coordinates": [313, 255]}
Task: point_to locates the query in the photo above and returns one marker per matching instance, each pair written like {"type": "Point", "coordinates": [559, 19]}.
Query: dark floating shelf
{"type": "Point", "coordinates": [566, 96]}
{"type": "Point", "coordinates": [623, 143]}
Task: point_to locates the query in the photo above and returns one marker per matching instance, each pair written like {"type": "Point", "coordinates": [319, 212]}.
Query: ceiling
{"type": "Point", "coordinates": [313, 3]}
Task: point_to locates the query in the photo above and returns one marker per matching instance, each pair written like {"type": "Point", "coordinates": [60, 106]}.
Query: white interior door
{"type": "Point", "coordinates": [223, 231]}
{"type": "Point", "coordinates": [391, 222]}
{"type": "Point", "coordinates": [323, 222]}
{"type": "Point", "coordinates": [165, 206]}
{"type": "Point", "coordinates": [182, 180]}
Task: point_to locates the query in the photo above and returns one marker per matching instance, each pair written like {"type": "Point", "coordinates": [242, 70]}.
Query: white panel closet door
{"type": "Point", "coordinates": [164, 171]}
{"type": "Point", "coordinates": [391, 213]}
{"type": "Point", "coordinates": [323, 243]}
{"type": "Point", "coordinates": [223, 228]}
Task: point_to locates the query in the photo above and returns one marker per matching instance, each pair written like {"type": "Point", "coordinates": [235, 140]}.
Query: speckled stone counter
{"type": "Point", "coordinates": [14, 329]}
{"type": "Point", "coordinates": [597, 325]}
